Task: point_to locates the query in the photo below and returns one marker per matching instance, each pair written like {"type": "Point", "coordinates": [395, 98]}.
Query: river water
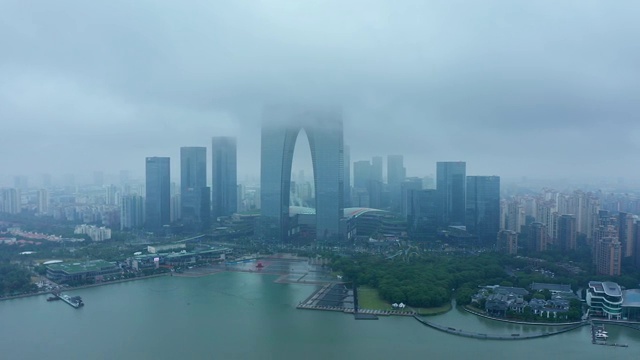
{"type": "Point", "coordinates": [248, 316]}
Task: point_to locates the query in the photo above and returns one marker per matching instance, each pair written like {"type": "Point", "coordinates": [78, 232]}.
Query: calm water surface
{"type": "Point", "coordinates": [248, 316]}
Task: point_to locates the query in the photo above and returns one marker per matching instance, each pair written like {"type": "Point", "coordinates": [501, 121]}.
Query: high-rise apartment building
{"type": "Point", "coordinates": [224, 176]}
{"type": "Point", "coordinates": [507, 242]}
{"type": "Point", "coordinates": [483, 207]}
{"type": "Point", "coordinates": [194, 193]}
{"type": "Point", "coordinates": [567, 232]}
{"type": "Point", "coordinates": [11, 201]}
{"type": "Point", "coordinates": [157, 206]}
{"type": "Point", "coordinates": [451, 183]}
{"type": "Point", "coordinates": [43, 202]}
{"type": "Point", "coordinates": [131, 212]}
{"type": "Point", "coordinates": [538, 237]}
{"type": "Point", "coordinates": [608, 256]}
{"type": "Point", "coordinates": [625, 234]}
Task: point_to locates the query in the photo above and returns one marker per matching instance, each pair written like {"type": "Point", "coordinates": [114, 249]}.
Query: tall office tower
{"type": "Point", "coordinates": [396, 173]}
{"type": "Point", "coordinates": [347, 177]}
{"type": "Point", "coordinates": [324, 130]}
{"type": "Point", "coordinates": [376, 187]}
{"type": "Point", "coordinates": [224, 176]}
{"type": "Point", "coordinates": [98, 178]}
{"type": "Point", "coordinates": [376, 169]}
{"type": "Point", "coordinates": [608, 256]}
{"type": "Point", "coordinates": [538, 237]}
{"type": "Point", "coordinates": [362, 175]}
{"type": "Point", "coordinates": [507, 242]}
{"type": "Point", "coordinates": [131, 212]}
{"type": "Point", "coordinates": [175, 208]}
{"type": "Point", "coordinates": [567, 232]}
{"type": "Point", "coordinates": [11, 201]}
{"type": "Point", "coordinates": [407, 187]}
{"type": "Point", "coordinates": [451, 183]}
{"type": "Point", "coordinates": [625, 233]}
{"type": "Point", "coordinates": [423, 213]}
{"type": "Point", "coordinates": [483, 207]}
{"type": "Point", "coordinates": [157, 200]}
{"type": "Point", "coordinates": [43, 202]}
{"type": "Point", "coordinates": [194, 193]}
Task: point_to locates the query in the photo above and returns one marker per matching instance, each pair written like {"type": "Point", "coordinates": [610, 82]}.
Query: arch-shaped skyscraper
{"type": "Point", "coordinates": [280, 129]}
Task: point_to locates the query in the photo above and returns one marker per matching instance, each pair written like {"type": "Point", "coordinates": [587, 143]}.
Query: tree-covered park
{"type": "Point", "coordinates": [14, 280]}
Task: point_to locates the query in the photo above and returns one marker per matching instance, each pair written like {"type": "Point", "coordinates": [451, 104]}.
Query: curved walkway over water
{"type": "Point", "coordinates": [476, 335]}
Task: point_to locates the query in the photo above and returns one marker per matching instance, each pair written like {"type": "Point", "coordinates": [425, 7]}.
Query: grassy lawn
{"type": "Point", "coordinates": [368, 298]}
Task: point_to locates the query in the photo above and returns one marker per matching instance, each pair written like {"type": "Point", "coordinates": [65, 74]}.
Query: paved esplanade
{"type": "Point", "coordinates": [280, 129]}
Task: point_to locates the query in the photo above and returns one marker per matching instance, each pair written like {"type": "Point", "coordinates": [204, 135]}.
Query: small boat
{"type": "Point", "coordinates": [601, 336]}
{"type": "Point", "coordinates": [52, 298]}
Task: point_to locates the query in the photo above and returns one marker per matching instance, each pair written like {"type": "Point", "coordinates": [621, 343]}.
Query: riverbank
{"type": "Point", "coordinates": [474, 312]}
{"type": "Point", "coordinates": [85, 286]}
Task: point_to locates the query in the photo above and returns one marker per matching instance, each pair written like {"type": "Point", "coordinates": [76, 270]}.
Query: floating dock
{"type": "Point", "coordinates": [73, 301]}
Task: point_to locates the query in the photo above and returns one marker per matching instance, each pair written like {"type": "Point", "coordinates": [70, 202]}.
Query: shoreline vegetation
{"type": "Point", "coordinates": [86, 286]}
{"type": "Point", "coordinates": [478, 312]}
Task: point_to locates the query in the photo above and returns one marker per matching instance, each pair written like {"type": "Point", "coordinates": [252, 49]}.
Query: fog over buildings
{"type": "Point", "coordinates": [539, 89]}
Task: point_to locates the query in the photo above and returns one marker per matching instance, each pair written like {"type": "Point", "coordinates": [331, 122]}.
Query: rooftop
{"type": "Point", "coordinates": [608, 287]}
{"type": "Point", "coordinates": [347, 212]}
{"type": "Point", "coordinates": [631, 298]}
{"type": "Point", "coordinates": [80, 267]}
{"type": "Point", "coordinates": [550, 287]}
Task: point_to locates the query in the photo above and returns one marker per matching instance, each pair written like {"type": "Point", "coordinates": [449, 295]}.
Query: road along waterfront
{"type": "Point", "coordinates": [236, 315]}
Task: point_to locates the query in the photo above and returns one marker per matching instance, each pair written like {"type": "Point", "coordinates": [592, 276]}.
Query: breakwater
{"type": "Point", "coordinates": [476, 335]}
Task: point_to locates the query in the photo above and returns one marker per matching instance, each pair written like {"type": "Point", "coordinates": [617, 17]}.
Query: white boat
{"type": "Point", "coordinates": [601, 336]}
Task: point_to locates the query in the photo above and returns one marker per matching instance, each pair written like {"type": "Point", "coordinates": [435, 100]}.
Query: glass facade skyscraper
{"type": "Point", "coordinates": [157, 206]}
{"type": "Point", "coordinates": [483, 207]}
{"type": "Point", "coordinates": [194, 193]}
{"type": "Point", "coordinates": [324, 130]}
{"type": "Point", "coordinates": [224, 176]}
{"type": "Point", "coordinates": [396, 173]}
{"type": "Point", "coordinates": [451, 183]}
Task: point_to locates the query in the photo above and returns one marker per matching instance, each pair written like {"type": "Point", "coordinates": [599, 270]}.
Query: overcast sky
{"type": "Point", "coordinates": [515, 88]}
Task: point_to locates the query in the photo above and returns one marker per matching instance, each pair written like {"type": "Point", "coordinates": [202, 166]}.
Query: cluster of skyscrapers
{"type": "Point", "coordinates": [197, 202]}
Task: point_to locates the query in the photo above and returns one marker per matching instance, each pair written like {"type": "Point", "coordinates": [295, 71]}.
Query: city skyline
{"type": "Point", "coordinates": [504, 96]}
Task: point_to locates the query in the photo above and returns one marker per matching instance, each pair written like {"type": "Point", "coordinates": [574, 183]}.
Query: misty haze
{"type": "Point", "coordinates": [248, 180]}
